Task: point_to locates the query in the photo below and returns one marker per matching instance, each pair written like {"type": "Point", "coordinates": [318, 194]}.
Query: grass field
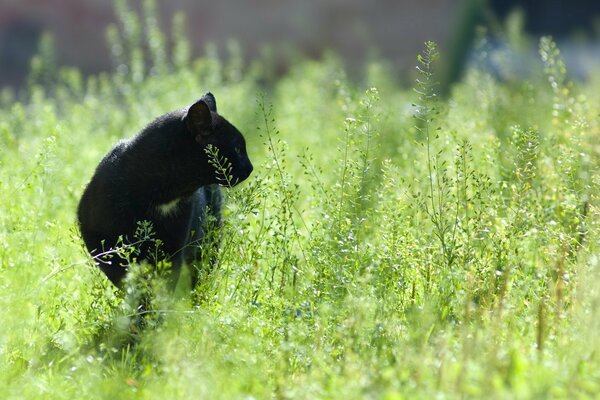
{"type": "Point", "coordinates": [390, 244]}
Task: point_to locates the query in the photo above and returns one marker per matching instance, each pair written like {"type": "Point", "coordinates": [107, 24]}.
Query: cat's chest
{"type": "Point", "coordinates": [170, 208]}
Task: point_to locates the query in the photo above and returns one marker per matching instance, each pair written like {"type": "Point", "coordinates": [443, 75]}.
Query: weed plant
{"type": "Point", "coordinates": [390, 243]}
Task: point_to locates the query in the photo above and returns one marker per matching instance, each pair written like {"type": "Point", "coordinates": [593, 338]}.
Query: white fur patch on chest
{"type": "Point", "coordinates": [169, 208]}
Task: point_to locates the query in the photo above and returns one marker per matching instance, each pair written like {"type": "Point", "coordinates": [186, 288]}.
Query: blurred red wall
{"type": "Point", "coordinates": [397, 29]}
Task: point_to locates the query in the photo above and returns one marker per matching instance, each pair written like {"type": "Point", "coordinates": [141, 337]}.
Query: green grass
{"type": "Point", "coordinates": [389, 244]}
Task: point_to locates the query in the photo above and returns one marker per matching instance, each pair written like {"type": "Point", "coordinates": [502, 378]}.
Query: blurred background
{"type": "Point", "coordinates": [356, 30]}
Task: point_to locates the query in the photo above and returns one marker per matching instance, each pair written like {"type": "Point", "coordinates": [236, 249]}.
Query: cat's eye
{"type": "Point", "coordinates": [238, 151]}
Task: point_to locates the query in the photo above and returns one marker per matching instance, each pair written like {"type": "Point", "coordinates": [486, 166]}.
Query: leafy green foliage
{"type": "Point", "coordinates": [370, 255]}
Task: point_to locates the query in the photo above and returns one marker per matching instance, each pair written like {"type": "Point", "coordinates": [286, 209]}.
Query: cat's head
{"type": "Point", "coordinates": [221, 142]}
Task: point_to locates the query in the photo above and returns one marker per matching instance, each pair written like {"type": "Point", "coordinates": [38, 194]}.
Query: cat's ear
{"type": "Point", "coordinates": [199, 119]}
{"type": "Point", "coordinates": [210, 101]}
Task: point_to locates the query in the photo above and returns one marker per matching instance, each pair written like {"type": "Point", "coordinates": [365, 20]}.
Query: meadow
{"type": "Point", "coordinates": [392, 243]}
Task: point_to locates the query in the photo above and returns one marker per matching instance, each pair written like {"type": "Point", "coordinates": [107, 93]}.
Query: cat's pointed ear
{"type": "Point", "coordinates": [199, 119]}
{"type": "Point", "coordinates": [210, 101]}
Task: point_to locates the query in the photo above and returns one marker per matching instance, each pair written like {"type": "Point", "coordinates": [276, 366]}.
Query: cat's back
{"type": "Point", "coordinates": [105, 176]}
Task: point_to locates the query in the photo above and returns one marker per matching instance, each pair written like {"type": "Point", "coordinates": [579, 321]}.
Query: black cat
{"type": "Point", "coordinates": [165, 176]}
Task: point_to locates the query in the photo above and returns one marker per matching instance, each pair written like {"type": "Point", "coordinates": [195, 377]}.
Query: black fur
{"type": "Point", "coordinates": [162, 175]}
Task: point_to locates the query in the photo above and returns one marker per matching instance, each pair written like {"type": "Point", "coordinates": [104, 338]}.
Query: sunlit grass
{"type": "Point", "coordinates": [389, 244]}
